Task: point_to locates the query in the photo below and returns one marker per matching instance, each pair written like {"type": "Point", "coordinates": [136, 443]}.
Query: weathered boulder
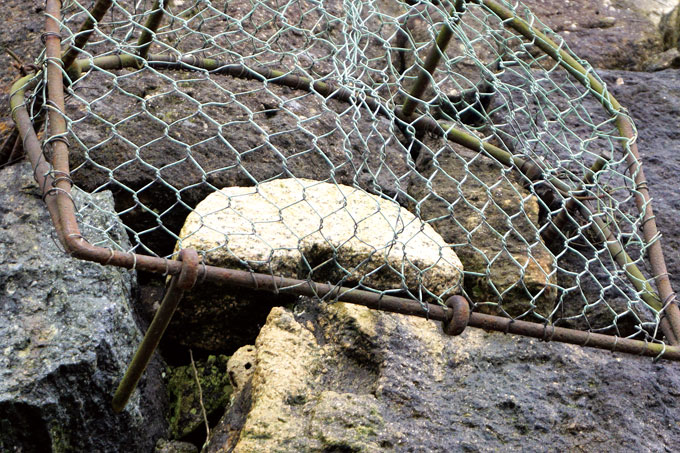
{"type": "Point", "coordinates": [337, 377]}
{"type": "Point", "coordinates": [67, 332]}
{"type": "Point", "coordinates": [163, 140]}
{"type": "Point", "coordinates": [491, 221]}
{"type": "Point", "coordinates": [616, 34]}
{"type": "Point", "coordinates": [306, 229]}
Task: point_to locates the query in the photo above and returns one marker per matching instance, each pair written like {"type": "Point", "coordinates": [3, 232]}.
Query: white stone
{"type": "Point", "coordinates": [300, 228]}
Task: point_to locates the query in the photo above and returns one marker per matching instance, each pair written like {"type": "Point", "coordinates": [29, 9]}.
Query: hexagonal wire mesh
{"type": "Point", "coordinates": [371, 144]}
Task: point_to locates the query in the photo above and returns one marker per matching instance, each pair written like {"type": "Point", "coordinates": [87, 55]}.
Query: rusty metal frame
{"type": "Point", "coordinates": [55, 183]}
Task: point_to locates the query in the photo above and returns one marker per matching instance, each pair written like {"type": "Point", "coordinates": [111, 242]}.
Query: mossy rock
{"type": "Point", "coordinates": [186, 415]}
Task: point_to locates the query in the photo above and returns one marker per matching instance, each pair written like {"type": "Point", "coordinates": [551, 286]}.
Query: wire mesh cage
{"type": "Point", "coordinates": [416, 149]}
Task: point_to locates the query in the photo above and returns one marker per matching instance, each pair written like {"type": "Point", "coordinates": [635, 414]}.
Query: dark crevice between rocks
{"type": "Point", "coordinates": [235, 418]}
{"type": "Point", "coordinates": [187, 404]}
{"type": "Point", "coordinates": [21, 424]}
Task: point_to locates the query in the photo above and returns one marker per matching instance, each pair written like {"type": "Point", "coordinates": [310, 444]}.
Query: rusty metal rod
{"type": "Point", "coordinates": [649, 229]}
{"type": "Point", "coordinates": [432, 60]}
{"type": "Point", "coordinates": [379, 301]}
{"type": "Point", "coordinates": [148, 346]}
{"type": "Point", "coordinates": [152, 338]}
{"type": "Point", "coordinates": [61, 185]}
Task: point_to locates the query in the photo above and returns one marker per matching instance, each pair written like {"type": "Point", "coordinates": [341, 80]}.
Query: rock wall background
{"type": "Point", "coordinates": [339, 378]}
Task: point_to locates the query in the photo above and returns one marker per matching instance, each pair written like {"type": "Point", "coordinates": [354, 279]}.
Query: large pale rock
{"type": "Point", "coordinates": [67, 332]}
{"type": "Point", "coordinates": [491, 221]}
{"type": "Point", "coordinates": [309, 229]}
{"type": "Point", "coordinates": [337, 377]}
{"type": "Point", "coordinates": [288, 364]}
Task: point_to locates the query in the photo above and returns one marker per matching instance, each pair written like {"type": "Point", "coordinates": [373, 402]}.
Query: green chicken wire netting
{"type": "Point", "coordinates": [472, 116]}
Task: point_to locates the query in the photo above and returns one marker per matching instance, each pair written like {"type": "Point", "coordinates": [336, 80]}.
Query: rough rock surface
{"type": "Point", "coordinates": [653, 101]}
{"type": "Point", "coordinates": [479, 207]}
{"type": "Point", "coordinates": [164, 140]}
{"type": "Point", "coordinates": [175, 446]}
{"type": "Point", "coordinates": [506, 392]}
{"type": "Point", "coordinates": [240, 367]}
{"type": "Point", "coordinates": [337, 377]}
{"type": "Point", "coordinates": [612, 34]}
{"type": "Point", "coordinates": [307, 229]}
{"type": "Point", "coordinates": [20, 33]}
{"type": "Point", "coordinates": [67, 334]}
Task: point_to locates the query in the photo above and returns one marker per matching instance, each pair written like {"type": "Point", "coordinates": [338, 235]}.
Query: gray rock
{"type": "Point", "coordinates": [67, 333]}
{"type": "Point", "coordinates": [306, 229]}
{"type": "Point", "coordinates": [665, 60]}
{"type": "Point", "coordinates": [338, 377]}
{"type": "Point", "coordinates": [653, 101]}
{"type": "Point", "coordinates": [670, 25]}
{"type": "Point", "coordinates": [163, 140]}
{"type": "Point", "coordinates": [175, 446]}
{"type": "Point", "coordinates": [617, 34]}
{"type": "Point", "coordinates": [170, 149]}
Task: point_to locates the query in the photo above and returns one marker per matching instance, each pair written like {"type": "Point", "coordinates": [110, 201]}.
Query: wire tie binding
{"type": "Point", "coordinates": [48, 34]}
{"type": "Point", "coordinates": [545, 331]}
{"type": "Point", "coordinates": [507, 326]}
{"type": "Point", "coordinates": [167, 268]}
{"type": "Point", "coordinates": [585, 343]}
{"type": "Point", "coordinates": [658, 357]}
{"type": "Point", "coordinates": [204, 274]}
{"type": "Point", "coordinates": [57, 189]}
{"type": "Point", "coordinates": [56, 138]}
{"type": "Point", "coordinates": [111, 255]}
